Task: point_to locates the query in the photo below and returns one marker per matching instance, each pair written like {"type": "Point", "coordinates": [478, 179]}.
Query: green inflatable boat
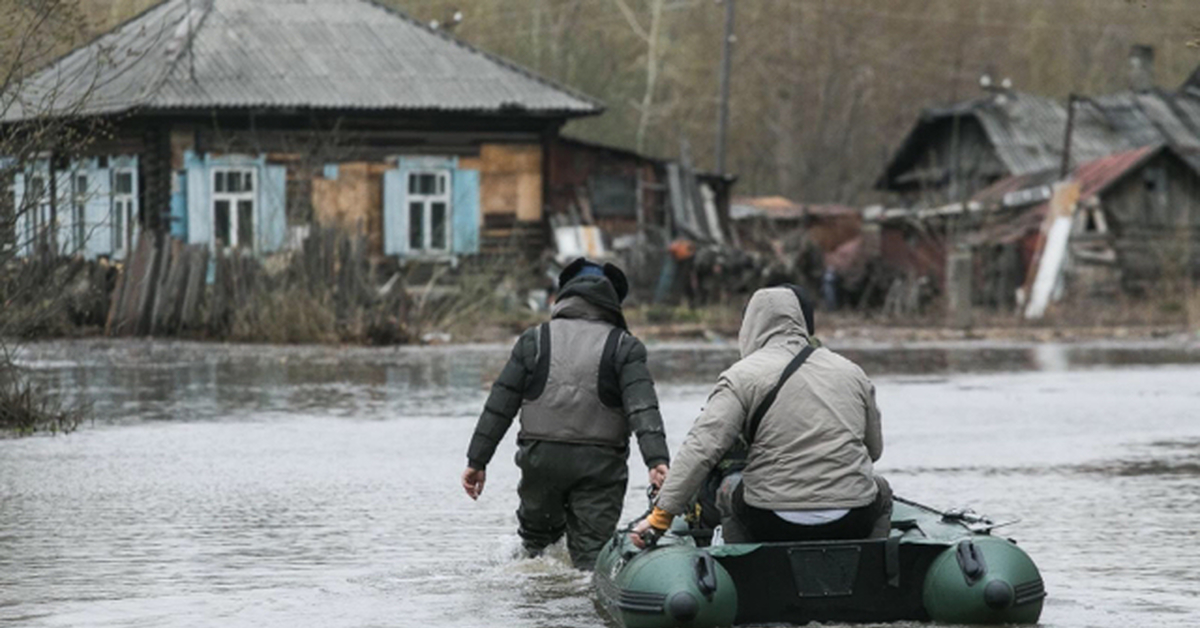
{"type": "Point", "coordinates": [939, 566]}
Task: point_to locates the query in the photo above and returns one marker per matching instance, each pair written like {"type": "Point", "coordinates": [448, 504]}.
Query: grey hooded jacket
{"type": "Point", "coordinates": [566, 403]}
{"type": "Point", "coordinates": [815, 446]}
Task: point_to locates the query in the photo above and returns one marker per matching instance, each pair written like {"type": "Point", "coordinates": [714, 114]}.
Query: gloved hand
{"type": "Point", "coordinates": [649, 530]}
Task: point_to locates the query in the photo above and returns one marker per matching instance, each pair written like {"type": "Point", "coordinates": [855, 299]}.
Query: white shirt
{"type": "Point", "coordinates": [812, 517]}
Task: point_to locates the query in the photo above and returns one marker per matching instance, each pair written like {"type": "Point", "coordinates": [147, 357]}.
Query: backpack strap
{"type": "Point", "coordinates": [541, 370]}
{"type": "Point", "coordinates": [609, 384]}
{"type": "Point", "coordinates": [761, 410]}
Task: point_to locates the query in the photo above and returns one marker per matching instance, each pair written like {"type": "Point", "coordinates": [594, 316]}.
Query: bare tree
{"type": "Point", "coordinates": [42, 125]}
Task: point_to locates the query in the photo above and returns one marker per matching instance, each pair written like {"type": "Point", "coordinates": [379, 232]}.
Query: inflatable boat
{"type": "Point", "coordinates": [940, 566]}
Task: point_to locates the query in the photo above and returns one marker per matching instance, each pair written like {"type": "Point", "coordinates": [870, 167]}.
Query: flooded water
{"type": "Point", "coordinates": [310, 486]}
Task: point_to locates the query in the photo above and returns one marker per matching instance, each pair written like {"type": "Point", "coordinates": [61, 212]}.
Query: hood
{"type": "Point", "coordinates": [591, 298]}
{"type": "Point", "coordinates": [772, 313]}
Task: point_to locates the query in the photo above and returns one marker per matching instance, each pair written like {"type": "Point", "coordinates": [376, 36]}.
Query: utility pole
{"type": "Point", "coordinates": [1068, 138]}
{"type": "Point", "coordinates": [723, 113]}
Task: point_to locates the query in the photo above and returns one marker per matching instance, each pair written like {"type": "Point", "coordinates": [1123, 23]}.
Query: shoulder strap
{"type": "Point", "coordinates": [609, 384]}
{"type": "Point", "coordinates": [761, 410]}
{"type": "Point", "coordinates": [541, 370]}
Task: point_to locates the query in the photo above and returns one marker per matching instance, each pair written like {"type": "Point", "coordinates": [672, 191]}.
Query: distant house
{"type": "Point", "coordinates": [953, 152]}
{"type": "Point", "coordinates": [239, 123]}
{"type": "Point", "coordinates": [1136, 220]}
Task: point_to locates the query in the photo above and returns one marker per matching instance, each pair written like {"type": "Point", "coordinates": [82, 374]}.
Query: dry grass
{"type": "Point", "coordinates": [26, 409]}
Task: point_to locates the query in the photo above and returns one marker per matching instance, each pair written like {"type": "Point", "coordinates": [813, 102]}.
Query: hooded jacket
{"type": "Point", "coordinates": [587, 309]}
{"type": "Point", "coordinates": [816, 444]}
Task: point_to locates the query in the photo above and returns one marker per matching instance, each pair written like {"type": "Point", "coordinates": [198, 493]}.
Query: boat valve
{"type": "Point", "coordinates": [998, 594]}
{"type": "Point", "coordinates": [683, 606]}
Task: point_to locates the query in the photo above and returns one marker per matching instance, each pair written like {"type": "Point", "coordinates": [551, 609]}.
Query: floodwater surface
{"type": "Point", "coordinates": [314, 486]}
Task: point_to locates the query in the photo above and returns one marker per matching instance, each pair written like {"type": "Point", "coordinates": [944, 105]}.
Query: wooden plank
{"type": "Point", "coordinates": [1052, 253]}
{"type": "Point", "coordinates": [136, 272]}
{"type": "Point", "coordinates": [165, 295]}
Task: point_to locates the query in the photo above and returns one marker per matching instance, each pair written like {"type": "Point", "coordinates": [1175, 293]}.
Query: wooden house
{"type": "Point", "coordinates": [1135, 223]}
{"type": "Point", "coordinates": [953, 152]}
{"type": "Point", "coordinates": [239, 123]}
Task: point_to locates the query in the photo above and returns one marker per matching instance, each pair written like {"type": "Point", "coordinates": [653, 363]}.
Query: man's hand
{"type": "Point", "coordinates": [645, 534]}
{"type": "Point", "coordinates": [658, 475]}
{"type": "Point", "coordinates": [652, 527]}
{"type": "Point", "coordinates": [639, 533]}
{"type": "Point", "coordinates": [472, 481]}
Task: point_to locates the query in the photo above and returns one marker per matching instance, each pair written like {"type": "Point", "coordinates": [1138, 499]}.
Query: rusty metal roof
{"type": "Point", "coordinates": [303, 54]}
{"type": "Point", "coordinates": [1094, 177]}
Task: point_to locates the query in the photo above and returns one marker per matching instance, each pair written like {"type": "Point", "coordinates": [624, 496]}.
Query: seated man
{"type": "Point", "coordinates": [810, 420]}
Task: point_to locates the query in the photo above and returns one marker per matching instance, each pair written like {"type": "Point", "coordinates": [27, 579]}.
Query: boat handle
{"type": "Point", "coordinates": [706, 574]}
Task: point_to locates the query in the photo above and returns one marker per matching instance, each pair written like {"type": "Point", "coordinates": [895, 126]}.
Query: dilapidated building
{"type": "Point", "coordinates": [953, 152]}
{"type": "Point", "coordinates": [1136, 222]}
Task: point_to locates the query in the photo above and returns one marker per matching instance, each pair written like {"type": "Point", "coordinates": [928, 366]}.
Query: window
{"type": "Point", "coordinates": [233, 207]}
{"type": "Point", "coordinates": [36, 208]}
{"type": "Point", "coordinates": [429, 211]}
{"type": "Point", "coordinates": [79, 198]}
{"type": "Point", "coordinates": [124, 210]}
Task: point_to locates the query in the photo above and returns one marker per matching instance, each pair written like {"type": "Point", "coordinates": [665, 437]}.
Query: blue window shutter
{"type": "Point", "coordinates": [179, 215]}
{"type": "Point", "coordinates": [395, 214]}
{"type": "Point", "coordinates": [272, 209]}
{"type": "Point", "coordinates": [98, 211]}
{"type": "Point", "coordinates": [466, 211]}
{"type": "Point", "coordinates": [331, 172]}
{"type": "Point", "coordinates": [20, 239]}
{"type": "Point", "coordinates": [199, 209]}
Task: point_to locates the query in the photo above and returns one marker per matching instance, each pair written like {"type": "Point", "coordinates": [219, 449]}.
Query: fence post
{"type": "Point", "coordinates": [959, 277]}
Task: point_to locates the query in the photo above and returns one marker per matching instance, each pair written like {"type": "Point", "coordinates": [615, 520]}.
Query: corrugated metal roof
{"type": "Point", "coordinates": [1096, 176]}
{"type": "Point", "coordinates": [327, 54]}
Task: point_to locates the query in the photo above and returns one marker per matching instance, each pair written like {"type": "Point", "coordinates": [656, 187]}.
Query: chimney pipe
{"type": "Point", "coordinates": [1141, 67]}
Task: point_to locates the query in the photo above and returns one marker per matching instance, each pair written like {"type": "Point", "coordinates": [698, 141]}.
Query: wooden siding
{"type": "Point", "coordinates": [353, 201]}
{"type": "Point", "coordinates": [1149, 214]}
{"type": "Point", "coordinates": [510, 180]}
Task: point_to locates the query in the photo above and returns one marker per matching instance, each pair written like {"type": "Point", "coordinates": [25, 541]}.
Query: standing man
{"type": "Point", "coordinates": [581, 384]}
{"type": "Point", "coordinates": [813, 432]}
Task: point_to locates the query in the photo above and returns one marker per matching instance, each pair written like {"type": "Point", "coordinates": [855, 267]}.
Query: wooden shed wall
{"type": "Point", "coordinates": [572, 166]}
{"type": "Point", "coordinates": [1154, 220]}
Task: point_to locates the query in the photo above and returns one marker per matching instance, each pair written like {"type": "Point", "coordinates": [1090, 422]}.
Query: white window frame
{"type": "Point", "coordinates": [235, 199]}
{"type": "Point", "coordinates": [123, 213]}
{"type": "Point", "coordinates": [443, 195]}
{"type": "Point", "coordinates": [36, 208]}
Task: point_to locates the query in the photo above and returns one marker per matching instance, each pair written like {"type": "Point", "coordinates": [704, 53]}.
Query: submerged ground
{"type": "Point", "coordinates": [264, 486]}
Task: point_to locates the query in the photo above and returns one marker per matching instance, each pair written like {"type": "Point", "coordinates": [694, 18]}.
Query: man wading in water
{"type": "Point", "coordinates": [581, 384]}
